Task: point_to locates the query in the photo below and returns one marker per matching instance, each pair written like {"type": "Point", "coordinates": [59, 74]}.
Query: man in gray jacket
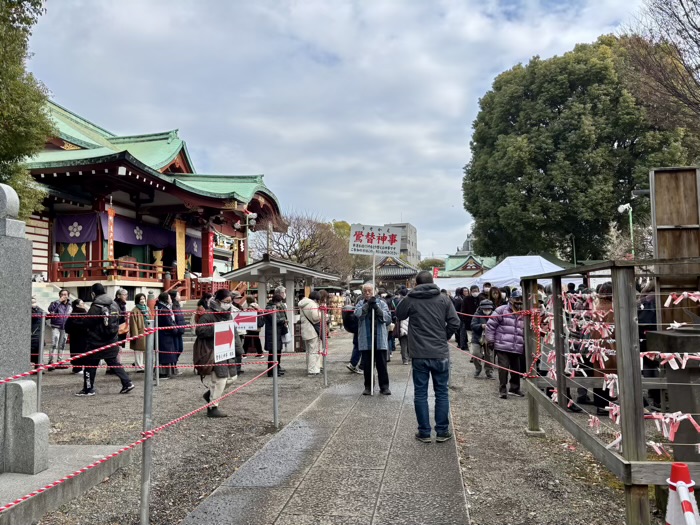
{"type": "Point", "coordinates": [433, 321]}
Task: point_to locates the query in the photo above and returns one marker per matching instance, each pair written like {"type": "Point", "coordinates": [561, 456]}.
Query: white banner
{"type": "Point", "coordinates": [382, 240]}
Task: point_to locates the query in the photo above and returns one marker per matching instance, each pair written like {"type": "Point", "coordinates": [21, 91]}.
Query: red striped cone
{"type": "Point", "coordinates": [682, 508]}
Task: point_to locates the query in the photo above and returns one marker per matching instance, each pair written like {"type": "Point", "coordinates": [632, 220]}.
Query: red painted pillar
{"type": "Point", "coordinates": [207, 252]}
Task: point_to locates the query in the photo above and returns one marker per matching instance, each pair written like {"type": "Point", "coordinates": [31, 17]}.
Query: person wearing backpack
{"type": "Point", "coordinates": [101, 329]}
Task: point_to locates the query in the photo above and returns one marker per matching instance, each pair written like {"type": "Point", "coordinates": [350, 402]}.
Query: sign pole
{"type": "Point", "coordinates": [147, 446]}
{"type": "Point", "coordinates": [374, 290]}
{"type": "Point", "coordinates": [275, 406]}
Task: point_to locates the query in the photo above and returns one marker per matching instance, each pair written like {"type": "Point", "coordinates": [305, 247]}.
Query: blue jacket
{"type": "Point", "coordinates": [364, 330]}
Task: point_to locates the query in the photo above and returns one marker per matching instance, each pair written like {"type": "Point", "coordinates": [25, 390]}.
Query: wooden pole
{"type": "Point", "coordinates": [533, 409]}
{"type": "Point", "coordinates": [559, 340]}
{"type": "Point", "coordinates": [629, 377]}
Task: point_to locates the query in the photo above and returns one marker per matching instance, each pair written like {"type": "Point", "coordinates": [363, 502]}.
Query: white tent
{"type": "Point", "coordinates": [512, 269]}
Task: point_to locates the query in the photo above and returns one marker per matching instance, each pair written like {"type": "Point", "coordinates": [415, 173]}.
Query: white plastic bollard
{"type": "Point", "coordinates": [682, 508]}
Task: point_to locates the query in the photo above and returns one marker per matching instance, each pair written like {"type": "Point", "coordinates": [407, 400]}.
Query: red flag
{"type": "Point", "coordinates": [435, 272]}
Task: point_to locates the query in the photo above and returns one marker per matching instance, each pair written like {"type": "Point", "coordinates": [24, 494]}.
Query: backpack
{"type": "Point", "coordinates": [349, 319]}
{"type": "Point", "coordinates": [108, 327]}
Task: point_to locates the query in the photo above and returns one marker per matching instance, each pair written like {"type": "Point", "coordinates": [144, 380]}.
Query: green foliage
{"type": "Point", "coordinates": [25, 125]}
{"type": "Point", "coordinates": [558, 144]}
{"type": "Point", "coordinates": [429, 264]}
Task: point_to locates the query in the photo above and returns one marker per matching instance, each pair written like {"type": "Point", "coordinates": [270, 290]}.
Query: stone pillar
{"type": "Point", "coordinates": [25, 432]}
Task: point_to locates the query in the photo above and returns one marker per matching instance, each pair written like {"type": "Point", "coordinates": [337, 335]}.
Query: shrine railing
{"type": "Point", "coordinates": [107, 269]}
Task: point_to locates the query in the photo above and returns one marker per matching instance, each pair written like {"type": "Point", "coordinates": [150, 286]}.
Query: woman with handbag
{"type": "Point", "coordinates": [310, 316]}
{"type": "Point", "coordinates": [137, 327]}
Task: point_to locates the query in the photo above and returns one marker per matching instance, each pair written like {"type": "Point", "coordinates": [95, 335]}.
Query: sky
{"type": "Point", "coordinates": [353, 110]}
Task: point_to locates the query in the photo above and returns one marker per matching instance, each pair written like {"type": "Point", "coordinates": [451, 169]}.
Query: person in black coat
{"type": "Point", "coordinates": [470, 303]}
{"type": "Point", "coordinates": [37, 319]}
{"type": "Point", "coordinates": [167, 347]}
{"type": "Point", "coordinates": [277, 303]}
{"type": "Point", "coordinates": [178, 333]}
{"type": "Point", "coordinates": [97, 337]}
{"type": "Point", "coordinates": [75, 328]}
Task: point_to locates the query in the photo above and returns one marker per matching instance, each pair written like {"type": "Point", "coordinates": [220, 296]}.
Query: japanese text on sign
{"type": "Point", "coordinates": [382, 240]}
{"type": "Point", "coordinates": [224, 341]}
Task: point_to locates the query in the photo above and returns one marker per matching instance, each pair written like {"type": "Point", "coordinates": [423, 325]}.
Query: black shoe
{"type": "Point", "coordinates": [583, 400]}
{"type": "Point", "coordinates": [489, 376]}
{"type": "Point", "coordinates": [503, 395]}
{"type": "Point", "coordinates": [281, 370]}
{"type": "Point", "coordinates": [240, 371]}
{"type": "Point", "coordinates": [423, 439]}
{"type": "Point", "coordinates": [441, 438]}
{"type": "Point", "coordinates": [574, 408]}
{"type": "Point", "coordinates": [601, 412]}
{"type": "Point", "coordinates": [215, 412]}
{"type": "Point", "coordinates": [367, 392]}
{"type": "Point", "coordinates": [477, 373]}
{"type": "Point", "coordinates": [385, 392]}
{"type": "Point", "coordinates": [517, 393]}
{"type": "Point", "coordinates": [85, 393]}
{"type": "Point", "coordinates": [127, 388]}
{"type": "Point", "coordinates": [207, 396]}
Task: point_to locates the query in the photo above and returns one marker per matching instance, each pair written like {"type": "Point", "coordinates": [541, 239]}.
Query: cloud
{"type": "Point", "coordinates": [357, 111]}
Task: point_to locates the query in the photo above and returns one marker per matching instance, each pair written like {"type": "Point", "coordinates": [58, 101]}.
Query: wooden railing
{"type": "Point", "coordinates": [106, 269]}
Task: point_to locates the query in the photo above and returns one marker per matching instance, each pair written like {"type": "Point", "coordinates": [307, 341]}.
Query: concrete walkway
{"type": "Point", "coordinates": [347, 459]}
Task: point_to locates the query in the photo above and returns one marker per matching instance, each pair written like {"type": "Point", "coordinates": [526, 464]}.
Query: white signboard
{"type": "Point", "coordinates": [224, 341]}
{"type": "Point", "coordinates": [368, 240]}
{"type": "Point", "coordinates": [246, 320]}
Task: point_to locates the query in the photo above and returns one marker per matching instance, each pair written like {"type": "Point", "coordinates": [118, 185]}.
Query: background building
{"type": "Point", "coordinates": [409, 242]}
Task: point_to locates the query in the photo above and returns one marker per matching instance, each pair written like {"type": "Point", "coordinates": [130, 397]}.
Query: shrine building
{"type": "Point", "coordinates": [132, 212]}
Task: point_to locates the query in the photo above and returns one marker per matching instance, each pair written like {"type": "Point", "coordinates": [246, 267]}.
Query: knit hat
{"type": "Point", "coordinates": [486, 304]}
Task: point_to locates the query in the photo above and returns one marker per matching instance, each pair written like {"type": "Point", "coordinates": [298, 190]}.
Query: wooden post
{"type": "Point", "coordinates": [559, 340]}
{"type": "Point", "coordinates": [533, 408]}
{"type": "Point", "coordinates": [630, 386]}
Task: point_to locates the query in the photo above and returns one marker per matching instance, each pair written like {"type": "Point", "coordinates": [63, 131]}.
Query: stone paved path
{"type": "Point", "coordinates": [347, 459]}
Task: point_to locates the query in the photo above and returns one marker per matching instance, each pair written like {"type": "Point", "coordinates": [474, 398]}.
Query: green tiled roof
{"type": "Point", "coordinates": [155, 150]}
{"type": "Point", "coordinates": [150, 152]}
{"type": "Point", "coordinates": [239, 187]}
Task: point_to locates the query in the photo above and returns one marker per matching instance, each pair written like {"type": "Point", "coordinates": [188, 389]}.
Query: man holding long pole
{"type": "Point", "coordinates": [372, 338]}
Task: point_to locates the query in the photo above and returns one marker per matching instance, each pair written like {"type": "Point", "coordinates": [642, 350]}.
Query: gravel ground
{"type": "Point", "coordinates": [511, 479]}
{"type": "Point", "coordinates": [192, 458]}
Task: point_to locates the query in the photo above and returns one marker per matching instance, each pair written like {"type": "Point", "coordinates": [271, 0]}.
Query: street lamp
{"type": "Point", "coordinates": [573, 243]}
{"type": "Point", "coordinates": [622, 208]}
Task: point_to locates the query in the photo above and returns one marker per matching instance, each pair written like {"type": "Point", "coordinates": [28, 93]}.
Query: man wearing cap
{"type": "Point", "coordinates": [504, 332]}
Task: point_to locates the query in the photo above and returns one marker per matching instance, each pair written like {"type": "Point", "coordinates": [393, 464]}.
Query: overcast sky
{"type": "Point", "coordinates": [354, 110]}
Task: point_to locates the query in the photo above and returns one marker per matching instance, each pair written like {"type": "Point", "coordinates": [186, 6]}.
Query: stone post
{"type": "Point", "coordinates": [25, 432]}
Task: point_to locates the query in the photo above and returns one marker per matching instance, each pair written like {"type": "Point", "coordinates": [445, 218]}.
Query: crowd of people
{"type": "Point", "coordinates": [488, 322]}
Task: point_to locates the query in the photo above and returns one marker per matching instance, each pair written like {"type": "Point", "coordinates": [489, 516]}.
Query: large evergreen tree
{"type": "Point", "coordinates": [24, 125]}
{"type": "Point", "coordinates": [558, 144]}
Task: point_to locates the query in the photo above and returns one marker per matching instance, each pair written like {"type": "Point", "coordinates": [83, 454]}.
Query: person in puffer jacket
{"type": "Point", "coordinates": [504, 332]}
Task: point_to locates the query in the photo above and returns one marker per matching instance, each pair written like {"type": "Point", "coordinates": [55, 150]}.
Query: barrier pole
{"type": "Point", "coordinates": [324, 342]}
{"type": "Point", "coordinates": [156, 346]}
{"type": "Point", "coordinates": [147, 446]}
{"type": "Point", "coordinates": [275, 405]}
{"type": "Point", "coordinates": [39, 376]}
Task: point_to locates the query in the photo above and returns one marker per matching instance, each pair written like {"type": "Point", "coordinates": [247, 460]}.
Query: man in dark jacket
{"type": "Point", "coordinates": [480, 350]}
{"type": "Point", "coordinates": [433, 319]}
{"type": "Point", "coordinates": [102, 328]}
